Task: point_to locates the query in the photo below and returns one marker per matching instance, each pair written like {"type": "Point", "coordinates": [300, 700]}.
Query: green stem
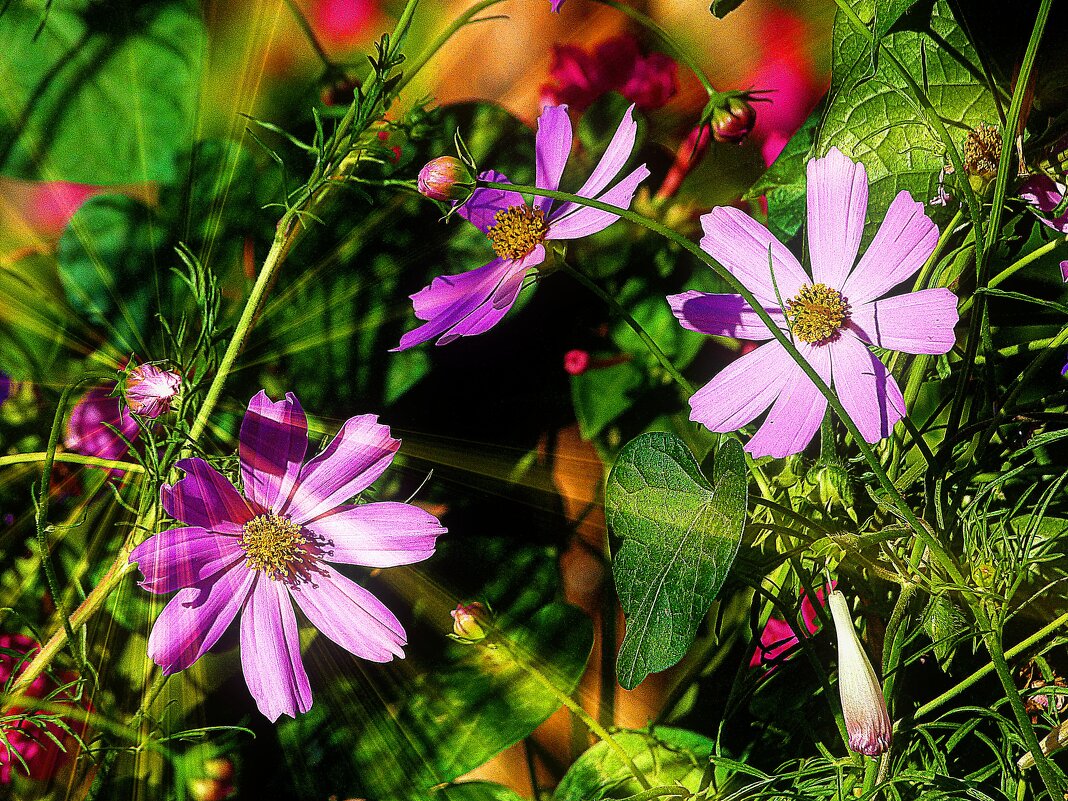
{"type": "Point", "coordinates": [941, 555]}
{"type": "Point", "coordinates": [421, 60]}
{"type": "Point", "coordinates": [643, 335]}
{"type": "Point", "coordinates": [576, 709]}
{"type": "Point", "coordinates": [309, 34]}
{"type": "Point", "coordinates": [70, 458]}
{"type": "Point", "coordinates": [982, 672]}
{"type": "Point", "coordinates": [673, 49]}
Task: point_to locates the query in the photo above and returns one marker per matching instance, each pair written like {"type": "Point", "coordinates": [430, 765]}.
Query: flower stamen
{"type": "Point", "coordinates": [518, 230]}
{"type": "Point", "coordinates": [817, 313]}
{"type": "Point", "coordinates": [276, 545]}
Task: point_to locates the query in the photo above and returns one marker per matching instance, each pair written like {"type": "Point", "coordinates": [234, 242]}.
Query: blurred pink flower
{"type": "Point", "coordinates": [87, 428]}
{"type": "Point", "coordinates": [30, 739]}
{"type": "Point", "coordinates": [341, 23]}
{"type": "Point", "coordinates": [50, 205]}
{"type": "Point", "coordinates": [784, 66]}
{"type": "Point", "coordinates": [578, 77]}
{"type": "Point", "coordinates": [555, 4]}
{"type": "Point", "coordinates": [778, 641]}
{"type": "Point", "coordinates": [150, 390]}
{"type": "Point", "coordinates": [259, 551]}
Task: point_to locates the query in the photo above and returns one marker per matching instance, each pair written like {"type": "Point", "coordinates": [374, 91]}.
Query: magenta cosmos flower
{"type": "Point", "coordinates": [257, 553]}
{"type": "Point", "coordinates": [473, 302]}
{"type": "Point", "coordinates": [834, 316]}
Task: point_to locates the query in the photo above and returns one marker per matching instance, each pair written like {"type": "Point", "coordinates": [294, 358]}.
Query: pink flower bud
{"type": "Point", "coordinates": [733, 121]}
{"type": "Point", "coordinates": [149, 390]}
{"type": "Point", "coordinates": [863, 704]}
{"type": "Point", "coordinates": [468, 622]}
{"type": "Point", "coordinates": [576, 362]}
{"type": "Point", "coordinates": [446, 178]}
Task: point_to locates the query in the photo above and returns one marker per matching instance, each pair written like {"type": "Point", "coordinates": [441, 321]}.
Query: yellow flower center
{"type": "Point", "coordinates": [519, 229]}
{"type": "Point", "coordinates": [275, 545]}
{"type": "Point", "coordinates": [816, 313]}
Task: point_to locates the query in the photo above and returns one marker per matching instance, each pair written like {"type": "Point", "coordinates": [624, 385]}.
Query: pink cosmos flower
{"type": "Point", "coordinates": [150, 390]}
{"type": "Point", "coordinates": [579, 76]}
{"type": "Point", "coordinates": [778, 641]}
{"type": "Point", "coordinates": [257, 553]}
{"type": "Point", "coordinates": [91, 423]}
{"type": "Point", "coordinates": [833, 317]}
{"type": "Point", "coordinates": [473, 302]}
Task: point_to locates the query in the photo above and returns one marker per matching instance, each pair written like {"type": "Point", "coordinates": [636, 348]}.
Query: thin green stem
{"type": "Point", "coordinates": [70, 458]}
{"type": "Point", "coordinates": [984, 671]}
{"type": "Point", "coordinates": [643, 335]}
{"type": "Point", "coordinates": [673, 49]}
{"type": "Point", "coordinates": [421, 60]}
{"type": "Point", "coordinates": [938, 551]}
{"type": "Point", "coordinates": [309, 34]}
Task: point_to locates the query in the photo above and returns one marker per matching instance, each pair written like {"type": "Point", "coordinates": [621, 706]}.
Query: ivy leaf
{"type": "Point", "coordinates": [679, 536]}
{"type": "Point", "coordinates": [873, 115]}
{"type": "Point", "coordinates": [105, 93]}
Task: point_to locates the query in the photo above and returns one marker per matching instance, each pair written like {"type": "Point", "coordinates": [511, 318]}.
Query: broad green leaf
{"type": "Point", "coordinates": [106, 260]}
{"type": "Point", "coordinates": [602, 394]}
{"type": "Point", "coordinates": [678, 536]}
{"type": "Point", "coordinates": [454, 716]}
{"type": "Point", "coordinates": [668, 757]}
{"type": "Point", "coordinates": [784, 183]}
{"type": "Point", "coordinates": [873, 115]}
{"type": "Point", "coordinates": [106, 94]}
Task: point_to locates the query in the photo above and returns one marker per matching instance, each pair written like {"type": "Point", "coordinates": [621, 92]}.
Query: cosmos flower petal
{"type": "Point", "coordinates": [797, 413]}
{"type": "Point", "coordinates": [865, 387]}
{"type": "Point", "coordinates": [273, 441]}
{"type": "Point", "coordinates": [481, 208]}
{"type": "Point", "coordinates": [721, 315]}
{"type": "Point", "coordinates": [612, 162]}
{"type": "Point", "coordinates": [195, 619]}
{"type": "Point", "coordinates": [90, 426]}
{"type": "Point", "coordinates": [904, 241]}
{"type": "Point", "coordinates": [383, 534]}
{"type": "Point", "coordinates": [492, 310]}
{"type": "Point", "coordinates": [205, 498]}
{"type": "Point", "coordinates": [355, 457]}
{"type": "Point", "coordinates": [450, 302]}
{"type": "Point", "coordinates": [270, 652]}
{"type": "Point", "coordinates": [837, 205]}
{"type": "Point", "coordinates": [184, 557]}
{"type": "Point", "coordinates": [352, 617]}
{"type": "Point", "coordinates": [552, 147]}
{"type": "Point", "coordinates": [742, 246]}
{"type": "Point", "coordinates": [919, 322]}
{"type": "Point", "coordinates": [732, 398]}
{"type": "Point", "coordinates": [587, 221]}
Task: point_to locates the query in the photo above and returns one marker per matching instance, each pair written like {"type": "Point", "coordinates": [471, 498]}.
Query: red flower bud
{"type": "Point", "coordinates": [446, 178]}
{"type": "Point", "coordinates": [576, 362]}
{"type": "Point", "coordinates": [733, 121]}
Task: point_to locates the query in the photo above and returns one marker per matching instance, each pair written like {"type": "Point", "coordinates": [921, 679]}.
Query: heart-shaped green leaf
{"type": "Point", "coordinates": [679, 536]}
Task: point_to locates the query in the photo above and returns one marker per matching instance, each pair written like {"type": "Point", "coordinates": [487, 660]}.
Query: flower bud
{"type": "Point", "coordinates": [150, 390]}
{"type": "Point", "coordinates": [446, 178]}
{"type": "Point", "coordinates": [469, 622]}
{"type": "Point", "coordinates": [863, 704]}
{"type": "Point", "coordinates": [733, 121]}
